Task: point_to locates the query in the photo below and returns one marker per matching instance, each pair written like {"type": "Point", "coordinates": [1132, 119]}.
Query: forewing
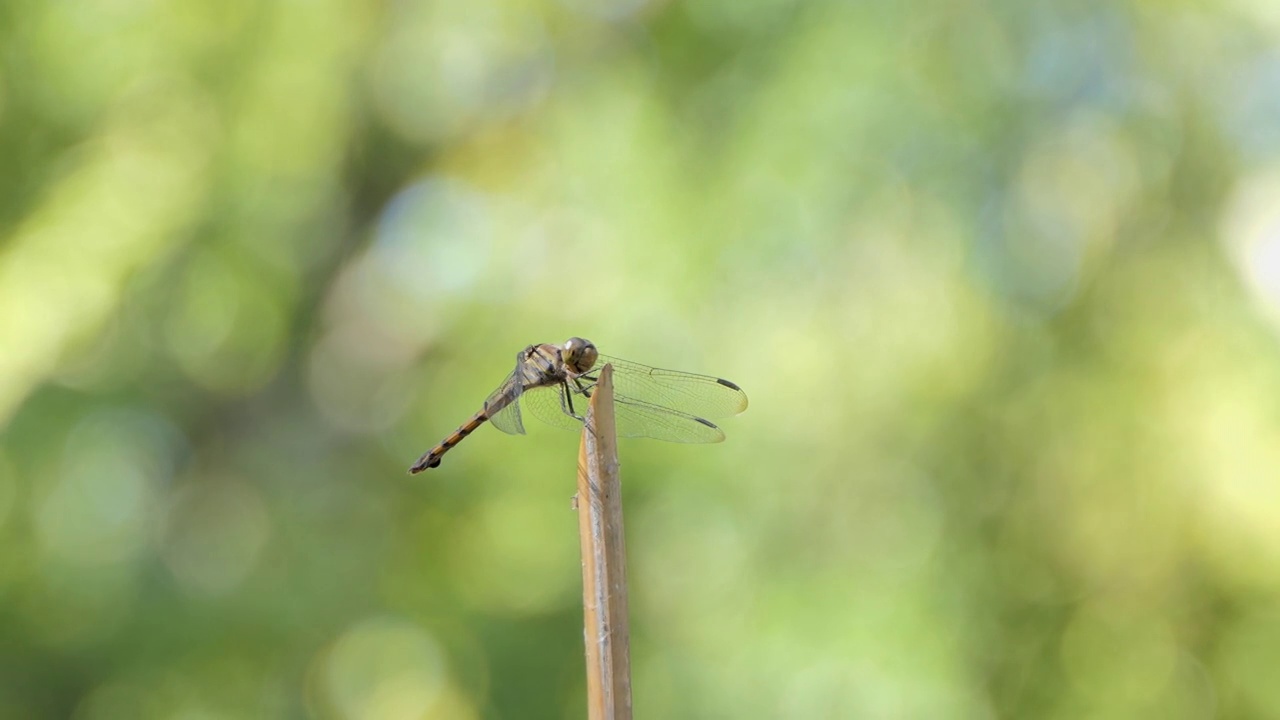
{"type": "Point", "coordinates": [689, 394]}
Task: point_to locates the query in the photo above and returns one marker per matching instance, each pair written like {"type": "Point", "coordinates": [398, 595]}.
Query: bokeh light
{"type": "Point", "coordinates": [1002, 282]}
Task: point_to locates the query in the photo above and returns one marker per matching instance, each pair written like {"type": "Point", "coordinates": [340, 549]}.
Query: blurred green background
{"type": "Point", "coordinates": [1001, 278]}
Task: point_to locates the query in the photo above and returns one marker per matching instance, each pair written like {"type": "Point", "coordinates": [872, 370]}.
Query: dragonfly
{"type": "Point", "coordinates": [555, 382]}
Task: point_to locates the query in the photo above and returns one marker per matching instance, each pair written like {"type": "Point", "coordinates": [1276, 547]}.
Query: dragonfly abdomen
{"type": "Point", "coordinates": [432, 457]}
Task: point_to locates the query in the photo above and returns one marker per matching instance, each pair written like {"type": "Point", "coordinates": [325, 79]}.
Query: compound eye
{"type": "Point", "coordinates": [580, 355]}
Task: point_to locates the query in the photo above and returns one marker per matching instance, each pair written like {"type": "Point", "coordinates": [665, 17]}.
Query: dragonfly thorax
{"type": "Point", "coordinates": [579, 355]}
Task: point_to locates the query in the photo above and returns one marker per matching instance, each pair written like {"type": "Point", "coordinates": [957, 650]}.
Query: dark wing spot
{"type": "Point", "coordinates": [708, 423]}
{"type": "Point", "coordinates": [728, 384]}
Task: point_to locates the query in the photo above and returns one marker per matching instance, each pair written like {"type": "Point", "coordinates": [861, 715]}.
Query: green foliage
{"type": "Point", "coordinates": [1002, 280]}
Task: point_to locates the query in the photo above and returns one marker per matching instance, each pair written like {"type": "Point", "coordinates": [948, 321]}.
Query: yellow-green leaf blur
{"type": "Point", "coordinates": [1001, 279]}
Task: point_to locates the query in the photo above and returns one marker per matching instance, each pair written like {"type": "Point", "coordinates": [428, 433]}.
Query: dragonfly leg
{"type": "Point", "coordinates": [566, 403]}
{"type": "Point", "coordinates": [585, 388]}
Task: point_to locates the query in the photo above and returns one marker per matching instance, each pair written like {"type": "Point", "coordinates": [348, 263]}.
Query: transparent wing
{"type": "Point", "coordinates": [633, 417]}
{"type": "Point", "coordinates": [640, 419]}
{"type": "Point", "coordinates": [549, 405]}
{"type": "Point", "coordinates": [687, 394]}
{"type": "Point", "coordinates": [506, 400]}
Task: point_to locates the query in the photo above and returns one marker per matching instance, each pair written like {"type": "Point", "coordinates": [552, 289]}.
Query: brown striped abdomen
{"type": "Point", "coordinates": [432, 457]}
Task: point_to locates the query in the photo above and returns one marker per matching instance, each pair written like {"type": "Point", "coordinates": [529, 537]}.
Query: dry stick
{"type": "Point", "coordinates": [604, 561]}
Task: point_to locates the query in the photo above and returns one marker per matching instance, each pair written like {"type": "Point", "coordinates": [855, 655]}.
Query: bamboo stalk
{"type": "Point", "coordinates": [604, 555]}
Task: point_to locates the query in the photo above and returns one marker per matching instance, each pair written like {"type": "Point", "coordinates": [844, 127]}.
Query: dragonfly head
{"type": "Point", "coordinates": [579, 355]}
